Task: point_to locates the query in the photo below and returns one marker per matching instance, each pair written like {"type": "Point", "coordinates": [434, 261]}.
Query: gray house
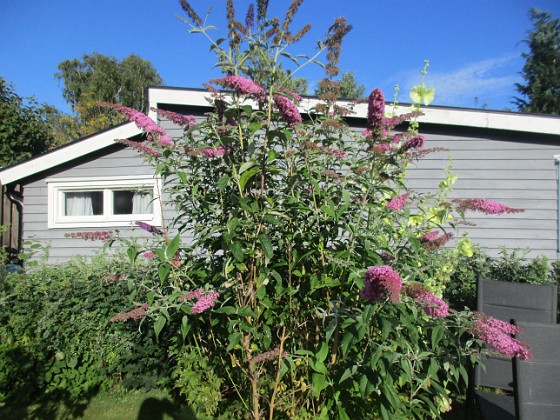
{"type": "Point", "coordinates": [508, 157]}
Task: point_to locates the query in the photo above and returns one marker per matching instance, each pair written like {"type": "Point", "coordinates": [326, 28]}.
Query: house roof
{"type": "Point", "coordinates": [496, 120]}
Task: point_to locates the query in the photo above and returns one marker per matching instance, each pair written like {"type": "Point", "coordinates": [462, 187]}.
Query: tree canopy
{"type": "Point", "coordinates": [97, 77]}
{"type": "Point", "coordinates": [347, 87]}
{"type": "Point", "coordinates": [23, 132]}
{"type": "Point", "coordinates": [541, 90]}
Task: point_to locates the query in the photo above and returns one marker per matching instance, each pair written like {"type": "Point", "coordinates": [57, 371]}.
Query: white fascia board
{"type": "Point", "coordinates": [526, 123]}
{"type": "Point", "coordinates": [68, 153]}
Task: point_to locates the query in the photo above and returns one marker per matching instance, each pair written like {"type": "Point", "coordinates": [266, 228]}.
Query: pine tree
{"type": "Point", "coordinates": [541, 91]}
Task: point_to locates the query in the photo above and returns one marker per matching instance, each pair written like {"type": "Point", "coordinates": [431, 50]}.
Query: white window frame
{"type": "Point", "coordinates": [57, 187]}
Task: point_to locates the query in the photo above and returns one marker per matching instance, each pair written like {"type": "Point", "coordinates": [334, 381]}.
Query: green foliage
{"type": "Point", "coordinates": [349, 88]}
{"type": "Point", "coordinates": [511, 266]}
{"type": "Point", "coordinates": [97, 77]}
{"type": "Point", "coordinates": [284, 215]}
{"type": "Point", "coordinates": [541, 90]}
{"type": "Point", "coordinates": [56, 337]}
{"type": "Point", "coordinates": [197, 382]}
{"type": "Point", "coordinates": [23, 132]}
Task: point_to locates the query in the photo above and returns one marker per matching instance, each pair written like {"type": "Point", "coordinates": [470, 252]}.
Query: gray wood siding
{"type": "Point", "coordinates": [516, 170]}
{"type": "Point", "coordinates": [115, 162]}
{"type": "Point", "coordinates": [519, 173]}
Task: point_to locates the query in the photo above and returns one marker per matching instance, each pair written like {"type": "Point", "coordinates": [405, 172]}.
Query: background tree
{"type": "Point", "coordinates": [98, 78]}
{"type": "Point", "coordinates": [23, 132]}
{"type": "Point", "coordinates": [541, 91]}
{"type": "Point", "coordinates": [347, 87]}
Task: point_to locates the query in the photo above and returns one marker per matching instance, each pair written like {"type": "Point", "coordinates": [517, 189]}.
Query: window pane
{"type": "Point", "coordinates": [132, 202]}
{"type": "Point", "coordinates": [83, 203]}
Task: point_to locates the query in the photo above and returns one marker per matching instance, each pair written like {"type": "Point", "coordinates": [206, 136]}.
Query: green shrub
{"type": "Point", "coordinates": [288, 297]}
{"type": "Point", "coordinates": [512, 266]}
{"type": "Point", "coordinates": [56, 335]}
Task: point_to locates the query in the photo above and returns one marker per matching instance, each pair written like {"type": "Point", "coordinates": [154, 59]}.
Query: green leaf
{"type": "Point", "coordinates": [246, 176]}
{"type": "Point", "coordinates": [158, 326]}
{"type": "Point", "coordinates": [437, 335]}
{"type": "Point", "coordinates": [173, 246]}
{"type": "Point", "coordinates": [345, 343]}
{"type": "Point", "coordinates": [246, 166]}
{"type": "Point", "coordinates": [228, 310]}
{"type": "Point", "coordinates": [222, 182]}
{"type": "Point", "coordinates": [318, 367]}
{"type": "Point", "coordinates": [266, 246]}
{"type": "Point", "coordinates": [329, 211]}
{"type": "Point", "coordinates": [319, 383]}
{"type": "Point", "coordinates": [247, 312]}
{"type": "Point", "coordinates": [163, 272]}
{"type": "Point", "coordinates": [237, 251]}
{"type": "Point", "coordinates": [234, 340]}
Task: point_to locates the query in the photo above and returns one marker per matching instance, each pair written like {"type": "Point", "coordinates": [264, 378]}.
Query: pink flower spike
{"type": "Point", "coordinates": [242, 86]}
{"type": "Point", "coordinates": [205, 302]}
{"type": "Point", "coordinates": [398, 202]}
{"type": "Point", "coordinates": [288, 110]}
{"type": "Point", "coordinates": [381, 283]}
{"type": "Point", "coordinates": [376, 110]}
{"type": "Point", "coordinates": [484, 206]}
{"type": "Point", "coordinates": [166, 140]}
{"type": "Point", "coordinates": [432, 305]}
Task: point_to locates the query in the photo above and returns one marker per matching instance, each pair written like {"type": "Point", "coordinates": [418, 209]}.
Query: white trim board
{"type": "Point", "coordinates": [67, 153]}
{"type": "Point", "coordinates": [498, 120]}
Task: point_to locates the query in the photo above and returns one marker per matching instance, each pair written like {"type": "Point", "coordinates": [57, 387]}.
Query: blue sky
{"type": "Point", "coordinates": [473, 46]}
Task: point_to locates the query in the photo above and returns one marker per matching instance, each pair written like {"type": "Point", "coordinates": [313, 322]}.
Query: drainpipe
{"type": "Point", "coordinates": [16, 198]}
{"type": "Point", "coordinates": [557, 158]}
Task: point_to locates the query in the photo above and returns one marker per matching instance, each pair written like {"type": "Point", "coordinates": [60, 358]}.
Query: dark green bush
{"type": "Point", "coordinates": [511, 266]}
{"type": "Point", "coordinates": [56, 335]}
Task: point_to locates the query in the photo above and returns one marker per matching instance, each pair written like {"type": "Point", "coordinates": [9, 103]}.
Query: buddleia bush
{"type": "Point", "coordinates": [311, 279]}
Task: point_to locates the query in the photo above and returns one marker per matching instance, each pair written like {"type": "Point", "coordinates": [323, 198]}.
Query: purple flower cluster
{"type": "Point", "coordinates": [115, 277]}
{"type": "Point", "coordinates": [497, 334]}
{"type": "Point", "coordinates": [185, 121]}
{"type": "Point", "coordinates": [439, 241]}
{"type": "Point", "coordinates": [288, 110]}
{"type": "Point", "coordinates": [134, 314]}
{"type": "Point", "coordinates": [149, 255]}
{"type": "Point", "coordinates": [149, 228]}
{"type": "Point", "coordinates": [209, 152]}
{"type": "Point", "coordinates": [193, 294]}
{"type": "Point", "coordinates": [331, 151]}
{"type": "Point", "coordinates": [242, 86]}
{"type": "Point", "coordinates": [386, 256]}
{"type": "Point", "coordinates": [432, 305]}
{"type": "Point", "coordinates": [416, 142]}
{"type": "Point", "coordinates": [142, 148]}
{"type": "Point", "coordinates": [429, 237]}
{"type": "Point", "coordinates": [268, 356]}
{"type": "Point", "coordinates": [376, 111]}
{"type": "Point", "coordinates": [381, 283]}
{"type": "Point", "coordinates": [205, 302]}
{"type": "Point", "coordinates": [144, 123]}
{"type": "Point", "coordinates": [101, 235]}
{"type": "Point", "coordinates": [484, 206]}
{"type": "Point", "coordinates": [250, 17]}
{"type": "Point", "coordinates": [290, 93]}
{"type": "Point", "coordinates": [397, 202]}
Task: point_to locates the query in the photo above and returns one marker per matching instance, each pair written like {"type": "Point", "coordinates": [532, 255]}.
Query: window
{"type": "Point", "coordinates": [103, 201]}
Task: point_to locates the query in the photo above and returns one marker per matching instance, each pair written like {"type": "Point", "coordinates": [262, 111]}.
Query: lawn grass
{"type": "Point", "coordinates": [133, 405]}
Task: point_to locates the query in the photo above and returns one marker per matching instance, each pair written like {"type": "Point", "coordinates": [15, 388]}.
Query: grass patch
{"type": "Point", "coordinates": [133, 405]}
